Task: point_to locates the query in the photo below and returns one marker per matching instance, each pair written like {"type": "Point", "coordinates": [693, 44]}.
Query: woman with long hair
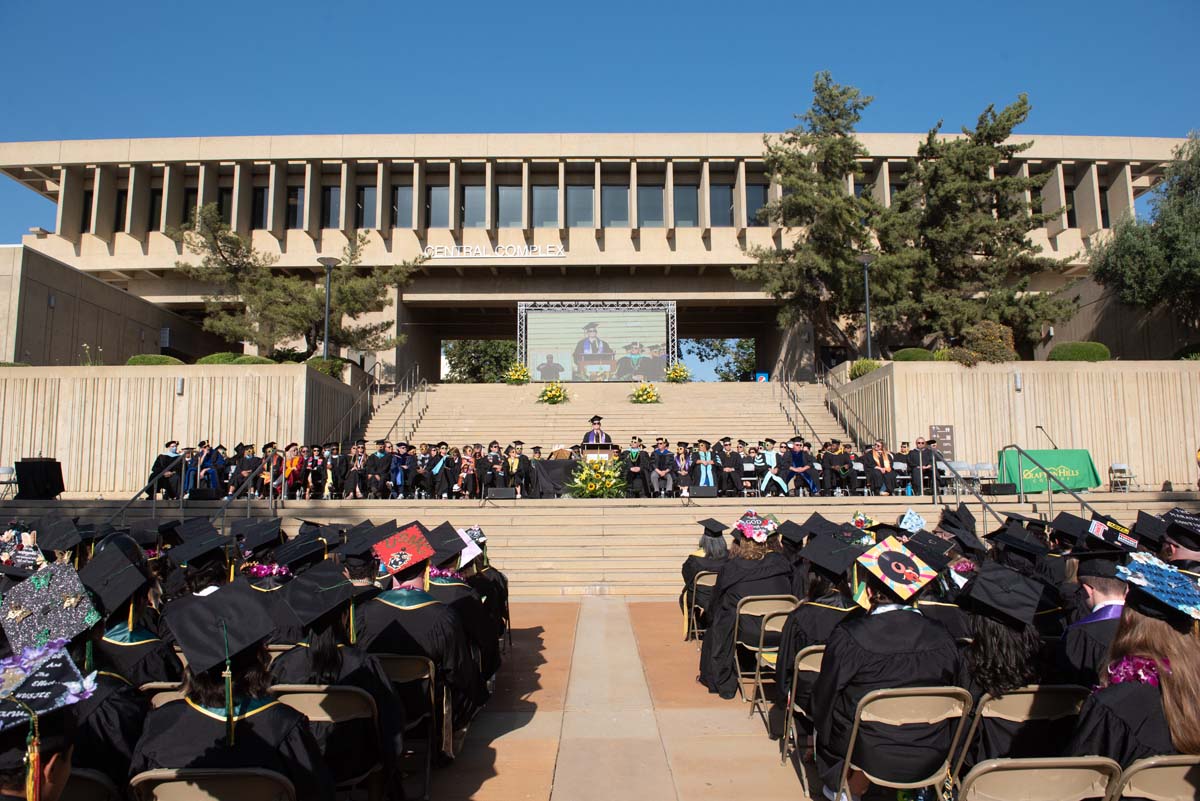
{"type": "Point", "coordinates": [710, 556]}
{"type": "Point", "coordinates": [1150, 689]}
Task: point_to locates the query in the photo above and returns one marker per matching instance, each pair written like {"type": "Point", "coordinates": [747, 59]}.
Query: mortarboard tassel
{"type": "Point", "coordinates": [426, 577]}
{"type": "Point", "coordinates": [129, 618]}
{"type": "Point", "coordinates": [353, 633]}
{"type": "Point", "coordinates": [89, 661]}
{"type": "Point", "coordinates": [227, 674]}
{"type": "Point", "coordinates": [33, 757]}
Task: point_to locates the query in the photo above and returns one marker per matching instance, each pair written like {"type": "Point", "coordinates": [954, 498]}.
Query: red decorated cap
{"type": "Point", "coordinates": [407, 547]}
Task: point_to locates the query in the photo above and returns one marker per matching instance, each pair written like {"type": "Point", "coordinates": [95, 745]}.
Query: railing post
{"type": "Point", "coordinates": [1021, 479]}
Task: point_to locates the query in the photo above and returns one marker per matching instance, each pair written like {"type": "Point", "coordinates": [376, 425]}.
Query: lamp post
{"type": "Point", "coordinates": [867, 299]}
{"type": "Point", "coordinates": [328, 262]}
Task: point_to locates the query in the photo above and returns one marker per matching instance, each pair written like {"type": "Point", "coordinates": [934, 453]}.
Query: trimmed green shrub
{"type": "Point", "coordinates": [15, 364]}
{"type": "Point", "coordinates": [331, 367]}
{"type": "Point", "coordinates": [251, 359]}
{"type": "Point", "coordinates": [862, 367]}
{"type": "Point", "coordinates": [1079, 352]}
{"type": "Point", "coordinates": [156, 359]}
{"type": "Point", "coordinates": [913, 355]}
{"type": "Point", "coordinates": [991, 342]}
{"type": "Point", "coordinates": [287, 355]}
{"type": "Point", "coordinates": [1190, 352]}
{"type": "Point", "coordinates": [223, 357]}
{"type": "Point", "coordinates": [964, 356]}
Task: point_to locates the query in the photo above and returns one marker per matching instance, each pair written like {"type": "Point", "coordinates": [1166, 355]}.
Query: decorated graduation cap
{"type": "Point", "coordinates": [471, 548]}
{"type": "Point", "coordinates": [319, 592]}
{"type": "Point", "coordinates": [1161, 591]}
{"type": "Point", "coordinates": [52, 604]}
{"type": "Point", "coordinates": [900, 570]}
{"type": "Point", "coordinates": [113, 578]}
{"type": "Point", "coordinates": [405, 549]}
{"type": "Point", "coordinates": [1109, 531]}
{"type": "Point", "coordinates": [476, 534]}
{"type": "Point", "coordinates": [713, 528]}
{"type": "Point", "coordinates": [911, 521]}
{"type": "Point", "coordinates": [1182, 527]}
{"type": "Point", "coordinates": [446, 543]}
{"type": "Point", "coordinates": [1070, 528]}
{"type": "Point", "coordinates": [754, 526]}
{"type": "Point", "coordinates": [831, 555]}
{"type": "Point", "coordinates": [1016, 537]}
{"type": "Point", "coordinates": [1002, 594]}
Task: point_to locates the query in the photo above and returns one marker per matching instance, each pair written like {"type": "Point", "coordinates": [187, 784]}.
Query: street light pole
{"type": "Point", "coordinates": [328, 262]}
{"type": "Point", "coordinates": [867, 294]}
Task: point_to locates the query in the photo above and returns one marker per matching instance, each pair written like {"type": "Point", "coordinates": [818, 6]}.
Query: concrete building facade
{"type": "Point", "coordinates": [509, 217]}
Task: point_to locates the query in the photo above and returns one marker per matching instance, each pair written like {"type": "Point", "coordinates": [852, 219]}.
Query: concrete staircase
{"type": "Point", "coordinates": [461, 413]}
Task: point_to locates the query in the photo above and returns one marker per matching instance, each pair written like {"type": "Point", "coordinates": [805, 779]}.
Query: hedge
{"type": "Point", "coordinates": [15, 364]}
{"type": "Point", "coordinates": [1190, 352]}
{"type": "Point", "coordinates": [862, 367]}
{"type": "Point", "coordinates": [913, 355]}
{"type": "Point", "coordinates": [157, 360]}
{"type": "Point", "coordinates": [331, 367]}
{"type": "Point", "coordinates": [1080, 352]}
{"type": "Point", "coordinates": [251, 359]}
{"type": "Point", "coordinates": [223, 357]}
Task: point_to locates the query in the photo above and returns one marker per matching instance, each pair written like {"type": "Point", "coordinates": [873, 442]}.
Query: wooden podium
{"type": "Point", "coordinates": [596, 451]}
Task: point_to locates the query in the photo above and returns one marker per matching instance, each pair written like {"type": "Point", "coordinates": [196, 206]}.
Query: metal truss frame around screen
{"type": "Point", "coordinates": [634, 340]}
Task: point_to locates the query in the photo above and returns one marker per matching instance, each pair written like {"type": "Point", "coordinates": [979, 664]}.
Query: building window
{"type": "Point", "coordinates": [437, 206]}
{"type": "Point", "coordinates": [650, 208]}
{"type": "Point", "coordinates": [614, 206]}
{"type": "Point", "coordinates": [687, 206]}
{"type": "Point", "coordinates": [545, 206]}
{"type": "Point", "coordinates": [154, 222]}
{"type": "Point", "coordinates": [1104, 219]}
{"type": "Point", "coordinates": [474, 203]}
{"type": "Point", "coordinates": [331, 206]}
{"type": "Point", "coordinates": [85, 215]}
{"type": "Point", "coordinates": [861, 188]}
{"type": "Point", "coordinates": [191, 197]}
{"type": "Point", "coordinates": [295, 207]}
{"type": "Point", "coordinates": [258, 209]}
{"type": "Point", "coordinates": [402, 207]}
{"type": "Point", "coordinates": [756, 198]}
{"type": "Point", "coordinates": [1072, 220]}
{"type": "Point", "coordinates": [579, 206]}
{"type": "Point", "coordinates": [225, 204]}
{"type": "Point", "coordinates": [720, 202]}
{"type": "Point", "coordinates": [893, 191]}
{"type": "Point", "coordinates": [119, 211]}
{"type": "Point", "coordinates": [508, 206]}
{"type": "Point", "coordinates": [364, 206]}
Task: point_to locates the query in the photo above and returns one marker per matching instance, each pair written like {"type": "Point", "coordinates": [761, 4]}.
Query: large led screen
{"type": "Point", "coordinates": [608, 345]}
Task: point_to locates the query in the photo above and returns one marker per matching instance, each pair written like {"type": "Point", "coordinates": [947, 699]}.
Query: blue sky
{"type": "Point", "coordinates": [136, 68]}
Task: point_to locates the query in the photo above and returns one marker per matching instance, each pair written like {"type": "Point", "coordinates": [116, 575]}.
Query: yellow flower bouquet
{"type": "Point", "coordinates": [597, 479]}
{"type": "Point", "coordinates": [517, 373]}
{"type": "Point", "coordinates": [678, 373]}
{"type": "Point", "coordinates": [553, 393]}
{"type": "Point", "coordinates": [645, 393]}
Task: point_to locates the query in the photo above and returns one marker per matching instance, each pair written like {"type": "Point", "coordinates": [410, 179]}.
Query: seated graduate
{"type": "Point", "coordinates": [826, 604]}
{"type": "Point", "coordinates": [1003, 655]}
{"type": "Point", "coordinates": [322, 600]}
{"type": "Point", "coordinates": [1149, 690]}
{"type": "Point", "coordinates": [1180, 540]}
{"type": "Point", "coordinates": [837, 470]}
{"type": "Point", "coordinates": [230, 725]}
{"type": "Point", "coordinates": [485, 579]}
{"type": "Point", "coordinates": [1019, 548]}
{"type": "Point", "coordinates": [406, 620]}
{"type": "Point", "coordinates": [710, 556]}
{"type": "Point", "coordinates": [892, 646]}
{"type": "Point", "coordinates": [1083, 649]}
{"type": "Point", "coordinates": [755, 568]}
{"type": "Point", "coordinates": [789, 541]}
{"type": "Point", "coordinates": [288, 560]}
{"type": "Point", "coordinates": [450, 587]}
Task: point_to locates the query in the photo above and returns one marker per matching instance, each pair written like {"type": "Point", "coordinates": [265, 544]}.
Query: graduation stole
{"type": "Point", "coordinates": [437, 468]}
{"type": "Point", "coordinates": [706, 475]}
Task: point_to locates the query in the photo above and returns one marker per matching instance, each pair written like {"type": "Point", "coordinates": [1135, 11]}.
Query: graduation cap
{"type": "Point", "coordinates": [471, 549]}
{"type": "Point", "coordinates": [590, 326]}
{"type": "Point", "coordinates": [52, 604]}
{"type": "Point", "coordinates": [595, 418]}
{"type": "Point", "coordinates": [195, 528]}
{"type": "Point", "coordinates": [1034, 524]}
{"type": "Point", "coordinates": [832, 555]}
{"type": "Point", "coordinates": [1151, 530]}
{"type": "Point", "coordinates": [900, 569]}
{"type": "Point", "coordinates": [1071, 528]}
{"type": "Point", "coordinates": [932, 549]}
{"type": "Point", "coordinates": [360, 542]}
{"type": "Point", "coordinates": [200, 552]}
{"type": "Point", "coordinates": [754, 526]}
{"type": "Point", "coordinates": [321, 590]}
{"type": "Point", "coordinates": [147, 533]}
{"type": "Point", "coordinates": [1182, 527]}
{"type": "Point", "coordinates": [91, 532]}
{"type": "Point", "coordinates": [848, 532]}
{"type": "Point", "coordinates": [713, 528]}
{"type": "Point", "coordinates": [406, 548]}
{"type": "Point", "coordinates": [36, 687]}
{"type": "Point", "coordinates": [1014, 535]}
{"type": "Point", "coordinates": [1161, 591]}
{"type": "Point", "coordinates": [57, 534]}
{"type": "Point", "coordinates": [446, 543]}
{"type": "Point", "coordinates": [260, 535]}
{"type": "Point", "coordinates": [1098, 563]}
{"type": "Point", "coordinates": [300, 552]}
{"type": "Point", "coordinates": [911, 521]}
{"type": "Point", "coordinates": [818, 524]}
{"type": "Point", "coordinates": [476, 534]}
{"type": "Point", "coordinates": [309, 527]}
{"type": "Point", "coordinates": [113, 578]}
{"type": "Point", "coordinates": [1002, 594]}
{"type": "Point", "coordinates": [1108, 530]}
{"type": "Point", "coordinates": [791, 532]}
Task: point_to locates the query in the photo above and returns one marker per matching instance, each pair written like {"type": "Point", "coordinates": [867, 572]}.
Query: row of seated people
{"type": "Point", "coordinates": [216, 621]}
{"type": "Point", "coordinates": [1078, 602]}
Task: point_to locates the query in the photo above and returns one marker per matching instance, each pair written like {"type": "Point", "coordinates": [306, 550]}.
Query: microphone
{"type": "Point", "coordinates": [1047, 436]}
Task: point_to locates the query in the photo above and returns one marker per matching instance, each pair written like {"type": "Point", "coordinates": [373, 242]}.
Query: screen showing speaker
{"type": "Point", "coordinates": [596, 345]}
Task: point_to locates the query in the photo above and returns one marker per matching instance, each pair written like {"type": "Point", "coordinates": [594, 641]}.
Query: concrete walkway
{"type": "Point", "coordinates": [599, 701]}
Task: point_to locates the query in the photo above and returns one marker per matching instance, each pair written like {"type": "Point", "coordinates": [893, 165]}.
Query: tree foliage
{"type": "Point", "coordinates": [251, 301]}
{"type": "Point", "coordinates": [479, 361]}
{"type": "Point", "coordinates": [735, 358]}
{"type": "Point", "coordinates": [954, 244]}
{"type": "Point", "coordinates": [1156, 263]}
{"type": "Point", "coordinates": [819, 276]}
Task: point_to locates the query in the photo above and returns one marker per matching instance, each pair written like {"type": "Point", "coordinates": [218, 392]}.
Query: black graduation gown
{"type": "Point", "coordinates": [108, 726]}
{"type": "Point", "coordinates": [288, 630]}
{"type": "Point", "coordinates": [1082, 651]}
{"type": "Point", "coordinates": [479, 625]}
{"type": "Point", "coordinates": [140, 657]}
{"type": "Point", "coordinates": [698, 563]}
{"type": "Point", "coordinates": [737, 579]}
{"type": "Point", "coordinates": [351, 748]}
{"type": "Point", "coordinates": [950, 615]}
{"type": "Point", "coordinates": [413, 623]}
{"type": "Point", "coordinates": [810, 624]}
{"type": "Point", "coordinates": [272, 736]}
{"type": "Point", "coordinates": [638, 483]}
{"type": "Point", "coordinates": [730, 482]}
{"type": "Point", "coordinates": [898, 648]}
{"type": "Point", "coordinates": [492, 586]}
{"type": "Point", "coordinates": [167, 484]}
{"type": "Point", "coordinates": [1124, 722]}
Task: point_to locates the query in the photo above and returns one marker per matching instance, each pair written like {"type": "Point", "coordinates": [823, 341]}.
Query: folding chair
{"type": "Point", "coordinates": [1120, 478]}
{"type": "Point", "coordinates": [90, 785]}
{"type": "Point", "coordinates": [275, 651]}
{"type": "Point", "coordinates": [202, 784]}
{"type": "Point", "coordinates": [705, 578]}
{"type": "Point", "coordinates": [1032, 703]}
{"type": "Point", "coordinates": [860, 483]}
{"type": "Point", "coordinates": [756, 606]}
{"type": "Point", "coordinates": [807, 661]}
{"type": "Point", "coordinates": [8, 480]}
{"type": "Point", "coordinates": [338, 704]}
{"type": "Point", "coordinates": [908, 706]}
{"type": "Point", "coordinates": [765, 657]}
{"type": "Point", "coordinates": [402, 670]}
{"type": "Point", "coordinates": [1160, 778]}
{"type": "Point", "coordinates": [985, 471]}
{"type": "Point", "coordinates": [1042, 779]}
{"type": "Point", "coordinates": [161, 692]}
{"type": "Point", "coordinates": [903, 477]}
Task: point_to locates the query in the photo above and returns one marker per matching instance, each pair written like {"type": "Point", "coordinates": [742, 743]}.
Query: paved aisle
{"type": "Point", "coordinates": [598, 702]}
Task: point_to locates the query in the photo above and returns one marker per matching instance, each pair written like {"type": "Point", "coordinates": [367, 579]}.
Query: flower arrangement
{"type": "Point", "coordinates": [553, 393]}
{"type": "Point", "coordinates": [678, 373]}
{"type": "Point", "coordinates": [645, 393]}
{"type": "Point", "coordinates": [754, 526]}
{"type": "Point", "coordinates": [600, 478]}
{"type": "Point", "coordinates": [517, 373]}
{"type": "Point", "coordinates": [18, 548]}
{"type": "Point", "coordinates": [264, 569]}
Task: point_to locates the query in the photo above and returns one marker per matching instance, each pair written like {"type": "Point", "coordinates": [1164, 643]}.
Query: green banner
{"type": "Point", "coordinates": [1074, 468]}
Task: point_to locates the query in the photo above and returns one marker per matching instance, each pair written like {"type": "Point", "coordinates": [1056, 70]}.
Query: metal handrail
{"type": "Point", "coordinates": [840, 413]}
{"type": "Point", "coordinates": [791, 396]}
{"type": "Point", "coordinates": [420, 393]}
{"type": "Point", "coordinates": [178, 460]}
{"type": "Point", "coordinates": [961, 482]}
{"type": "Point", "coordinates": [1024, 454]}
{"type": "Point", "coordinates": [237, 493]}
{"type": "Point", "coordinates": [354, 406]}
